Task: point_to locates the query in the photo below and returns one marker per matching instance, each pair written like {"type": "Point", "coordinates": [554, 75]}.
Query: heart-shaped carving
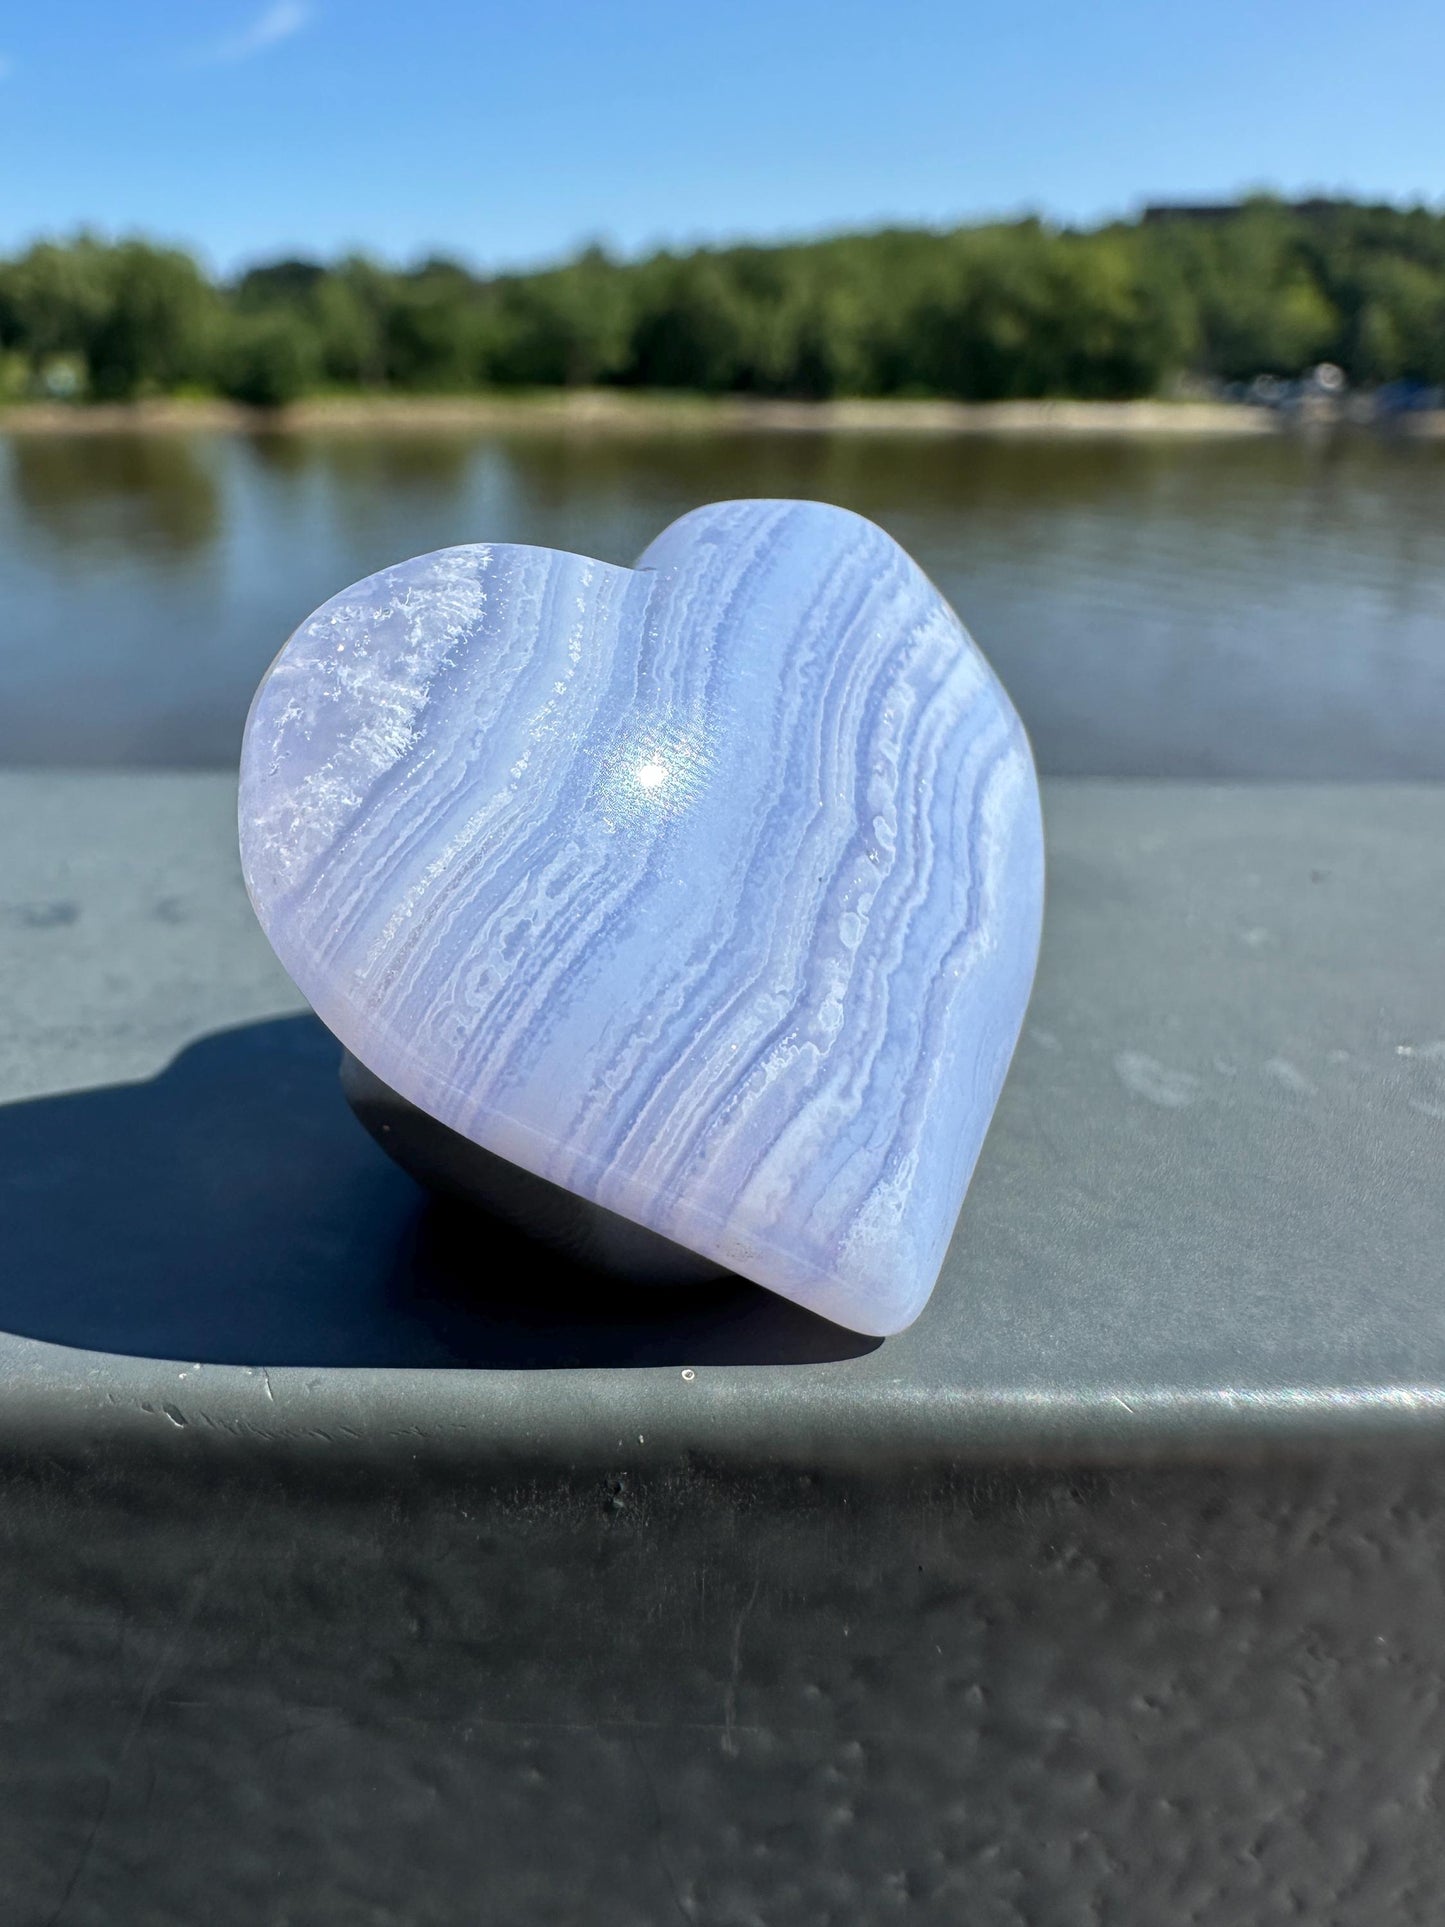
{"type": "Point", "coordinates": [709, 889]}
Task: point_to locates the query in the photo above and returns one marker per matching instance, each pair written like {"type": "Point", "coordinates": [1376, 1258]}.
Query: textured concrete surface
{"type": "Point", "coordinates": [1206, 1695]}
{"type": "Point", "coordinates": [357, 1565]}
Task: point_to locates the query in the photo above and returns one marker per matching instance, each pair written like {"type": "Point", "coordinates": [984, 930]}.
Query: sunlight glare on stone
{"type": "Point", "coordinates": [652, 773]}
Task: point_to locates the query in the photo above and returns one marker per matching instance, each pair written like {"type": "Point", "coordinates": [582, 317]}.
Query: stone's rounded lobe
{"type": "Point", "coordinates": [708, 890]}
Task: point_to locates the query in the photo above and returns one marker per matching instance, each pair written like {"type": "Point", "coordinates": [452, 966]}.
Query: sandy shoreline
{"type": "Point", "coordinates": [613, 412]}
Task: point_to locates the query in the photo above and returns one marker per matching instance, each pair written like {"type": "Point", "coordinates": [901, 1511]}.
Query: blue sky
{"type": "Point", "coordinates": [508, 133]}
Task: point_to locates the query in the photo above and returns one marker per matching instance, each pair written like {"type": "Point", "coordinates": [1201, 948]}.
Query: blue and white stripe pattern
{"type": "Point", "coordinates": [709, 889]}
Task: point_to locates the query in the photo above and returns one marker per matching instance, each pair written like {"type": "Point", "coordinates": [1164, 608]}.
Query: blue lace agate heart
{"type": "Point", "coordinates": [709, 890]}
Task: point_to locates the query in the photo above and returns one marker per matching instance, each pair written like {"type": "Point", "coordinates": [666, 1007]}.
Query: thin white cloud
{"type": "Point", "coordinates": [7, 66]}
{"type": "Point", "coordinates": [278, 22]}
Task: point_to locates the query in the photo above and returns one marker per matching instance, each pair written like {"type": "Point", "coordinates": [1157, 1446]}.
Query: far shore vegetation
{"type": "Point", "coordinates": [1186, 302]}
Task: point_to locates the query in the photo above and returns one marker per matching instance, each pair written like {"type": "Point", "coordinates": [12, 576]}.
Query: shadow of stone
{"type": "Point", "coordinates": [231, 1211]}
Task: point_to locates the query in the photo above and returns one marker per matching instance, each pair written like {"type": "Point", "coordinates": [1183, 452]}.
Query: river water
{"type": "Point", "coordinates": [1256, 608]}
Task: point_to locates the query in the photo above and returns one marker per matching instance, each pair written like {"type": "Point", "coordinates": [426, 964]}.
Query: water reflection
{"type": "Point", "coordinates": [118, 492]}
{"type": "Point", "coordinates": [1264, 608]}
{"type": "Point", "coordinates": [369, 465]}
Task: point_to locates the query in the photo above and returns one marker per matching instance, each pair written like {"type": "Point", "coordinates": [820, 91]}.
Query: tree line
{"type": "Point", "coordinates": [1008, 310]}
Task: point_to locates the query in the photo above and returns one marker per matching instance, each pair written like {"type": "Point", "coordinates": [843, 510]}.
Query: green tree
{"type": "Point", "coordinates": [267, 359]}
{"type": "Point", "coordinates": [157, 325]}
{"type": "Point", "coordinates": [568, 327]}
{"type": "Point", "coordinates": [1260, 303]}
{"type": "Point", "coordinates": [54, 297]}
{"type": "Point", "coordinates": [991, 312]}
{"type": "Point", "coordinates": [1399, 329]}
{"type": "Point", "coordinates": [689, 326]}
{"type": "Point", "coordinates": [431, 333]}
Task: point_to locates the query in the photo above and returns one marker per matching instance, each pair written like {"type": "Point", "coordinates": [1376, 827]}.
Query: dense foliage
{"type": "Point", "coordinates": [987, 313]}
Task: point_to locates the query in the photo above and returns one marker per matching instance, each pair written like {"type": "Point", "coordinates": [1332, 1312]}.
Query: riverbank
{"type": "Point", "coordinates": [618, 412]}
{"type": "Point", "coordinates": [613, 411]}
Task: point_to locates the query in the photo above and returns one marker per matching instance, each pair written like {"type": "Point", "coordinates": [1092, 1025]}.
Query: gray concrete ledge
{"type": "Point", "coordinates": [1210, 1215]}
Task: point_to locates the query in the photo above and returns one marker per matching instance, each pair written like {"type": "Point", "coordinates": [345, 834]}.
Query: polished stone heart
{"type": "Point", "coordinates": [709, 890]}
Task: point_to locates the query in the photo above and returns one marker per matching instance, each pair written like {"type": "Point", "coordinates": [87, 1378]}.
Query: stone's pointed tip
{"type": "Point", "coordinates": [708, 892]}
